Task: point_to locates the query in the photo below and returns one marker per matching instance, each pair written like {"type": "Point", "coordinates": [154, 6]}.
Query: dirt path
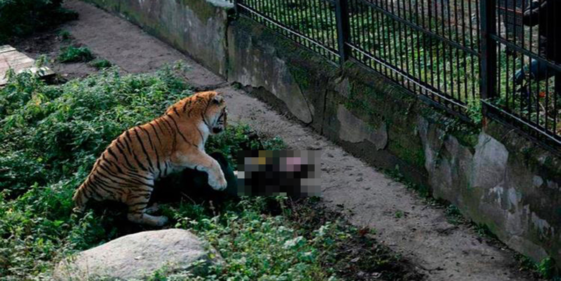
{"type": "Point", "coordinates": [403, 221]}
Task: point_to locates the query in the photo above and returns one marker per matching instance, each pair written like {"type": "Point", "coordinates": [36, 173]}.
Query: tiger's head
{"type": "Point", "coordinates": [209, 108]}
{"type": "Point", "coordinates": [216, 114]}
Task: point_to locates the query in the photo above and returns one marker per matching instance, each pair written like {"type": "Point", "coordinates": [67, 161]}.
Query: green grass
{"type": "Point", "coordinates": [544, 269]}
{"type": "Point", "coordinates": [75, 54]}
{"type": "Point", "coordinates": [100, 63]}
{"type": "Point", "coordinates": [256, 244]}
{"type": "Point", "coordinates": [50, 136]}
{"type": "Point", "coordinates": [65, 35]}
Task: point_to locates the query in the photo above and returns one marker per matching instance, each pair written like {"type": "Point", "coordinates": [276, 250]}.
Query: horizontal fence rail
{"type": "Point", "coordinates": [459, 54]}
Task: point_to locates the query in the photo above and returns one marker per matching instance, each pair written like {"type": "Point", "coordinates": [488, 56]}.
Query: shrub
{"type": "Point", "coordinates": [65, 35]}
{"type": "Point", "coordinates": [100, 63]}
{"type": "Point", "coordinates": [75, 54]}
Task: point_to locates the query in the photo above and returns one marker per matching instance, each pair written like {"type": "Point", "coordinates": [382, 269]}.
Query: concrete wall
{"type": "Point", "coordinates": [195, 27]}
{"type": "Point", "coordinates": [494, 176]}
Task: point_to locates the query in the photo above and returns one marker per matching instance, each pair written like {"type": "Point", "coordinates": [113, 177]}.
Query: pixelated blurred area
{"type": "Point", "coordinates": [289, 173]}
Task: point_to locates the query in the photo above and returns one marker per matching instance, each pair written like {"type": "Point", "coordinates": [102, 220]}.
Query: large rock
{"type": "Point", "coordinates": [137, 256]}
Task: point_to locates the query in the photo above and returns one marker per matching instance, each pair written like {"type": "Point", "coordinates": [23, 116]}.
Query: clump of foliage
{"type": "Point", "coordinates": [75, 54]}
{"type": "Point", "coordinates": [255, 243]}
{"type": "Point", "coordinates": [544, 269]}
{"type": "Point", "coordinates": [279, 239]}
{"type": "Point", "coordinates": [475, 112]}
{"type": "Point", "coordinates": [100, 63]}
{"type": "Point", "coordinates": [65, 35]}
{"type": "Point", "coordinates": [22, 17]}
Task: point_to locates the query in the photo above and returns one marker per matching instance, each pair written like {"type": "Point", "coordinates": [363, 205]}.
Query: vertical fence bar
{"type": "Point", "coordinates": [343, 29]}
{"type": "Point", "coordinates": [236, 11]}
{"type": "Point", "coordinates": [488, 51]}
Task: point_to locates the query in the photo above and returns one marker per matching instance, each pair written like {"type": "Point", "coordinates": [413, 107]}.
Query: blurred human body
{"type": "Point", "coordinates": [546, 15]}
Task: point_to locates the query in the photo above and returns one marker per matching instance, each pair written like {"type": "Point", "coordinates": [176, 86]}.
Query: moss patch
{"type": "Point", "coordinates": [202, 8]}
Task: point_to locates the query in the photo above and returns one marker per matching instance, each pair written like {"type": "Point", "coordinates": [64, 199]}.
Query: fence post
{"type": "Point", "coordinates": [236, 11]}
{"type": "Point", "coordinates": [488, 48]}
{"type": "Point", "coordinates": [343, 29]}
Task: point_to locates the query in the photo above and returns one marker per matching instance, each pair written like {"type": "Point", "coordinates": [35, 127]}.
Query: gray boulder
{"type": "Point", "coordinates": [139, 255]}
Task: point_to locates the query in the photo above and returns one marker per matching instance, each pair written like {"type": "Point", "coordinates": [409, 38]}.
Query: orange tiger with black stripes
{"type": "Point", "coordinates": [128, 167]}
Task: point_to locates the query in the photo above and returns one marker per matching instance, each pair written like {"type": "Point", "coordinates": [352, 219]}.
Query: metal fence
{"type": "Point", "coordinates": [429, 48]}
{"type": "Point", "coordinates": [457, 54]}
{"type": "Point", "coordinates": [311, 23]}
{"type": "Point", "coordinates": [525, 65]}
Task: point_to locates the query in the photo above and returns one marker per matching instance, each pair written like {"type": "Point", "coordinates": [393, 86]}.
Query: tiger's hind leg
{"type": "Point", "coordinates": [152, 209]}
{"type": "Point", "coordinates": [138, 211]}
{"type": "Point", "coordinates": [137, 214]}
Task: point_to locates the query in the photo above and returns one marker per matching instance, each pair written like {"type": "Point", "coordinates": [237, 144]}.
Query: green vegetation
{"type": "Point", "coordinates": [65, 35]}
{"type": "Point", "coordinates": [50, 136]}
{"type": "Point", "coordinates": [240, 138]}
{"type": "Point", "coordinates": [454, 215]}
{"type": "Point", "coordinates": [75, 54]}
{"type": "Point", "coordinates": [543, 269]}
{"type": "Point", "coordinates": [100, 63]}
{"type": "Point", "coordinates": [22, 17]}
{"type": "Point", "coordinates": [293, 243]}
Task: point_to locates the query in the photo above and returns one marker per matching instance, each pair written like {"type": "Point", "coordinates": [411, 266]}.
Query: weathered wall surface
{"type": "Point", "coordinates": [495, 177]}
{"type": "Point", "coordinates": [196, 27]}
{"type": "Point", "coordinates": [266, 62]}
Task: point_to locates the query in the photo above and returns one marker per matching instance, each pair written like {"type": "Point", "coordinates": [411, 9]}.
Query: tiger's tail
{"type": "Point", "coordinates": [80, 198]}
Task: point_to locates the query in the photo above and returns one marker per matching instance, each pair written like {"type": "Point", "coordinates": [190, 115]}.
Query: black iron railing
{"type": "Point", "coordinates": [430, 49]}
{"type": "Point", "coordinates": [311, 23]}
{"type": "Point", "coordinates": [525, 44]}
{"type": "Point", "coordinates": [469, 57]}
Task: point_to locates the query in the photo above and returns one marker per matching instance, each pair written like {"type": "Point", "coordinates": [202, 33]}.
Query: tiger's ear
{"type": "Point", "coordinates": [217, 99]}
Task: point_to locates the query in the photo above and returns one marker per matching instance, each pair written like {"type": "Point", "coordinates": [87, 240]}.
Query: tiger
{"type": "Point", "coordinates": [129, 166]}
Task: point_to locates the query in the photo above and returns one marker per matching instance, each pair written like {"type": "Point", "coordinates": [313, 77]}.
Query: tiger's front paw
{"type": "Point", "coordinates": [218, 183]}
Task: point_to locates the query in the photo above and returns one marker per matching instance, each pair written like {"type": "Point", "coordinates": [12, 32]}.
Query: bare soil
{"type": "Point", "coordinates": [403, 221]}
